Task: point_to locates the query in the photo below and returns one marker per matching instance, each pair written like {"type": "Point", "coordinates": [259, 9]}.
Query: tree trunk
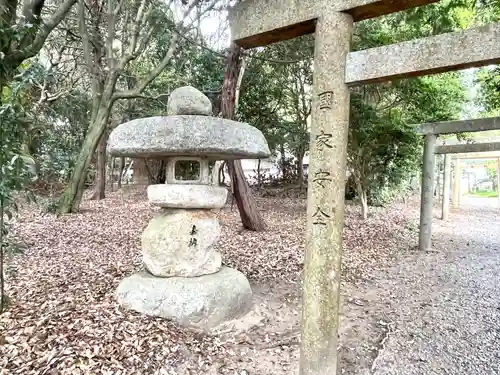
{"type": "Point", "coordinates": [121, 168]}
{"type": "Point", "coordinates": [242, 67]}
{"type": "Point", "coordinates": [300, 170]}
{"type": "Point", "coordinates": [249, 213]}
{"type": "Point", "coordinates": [363, 197]}
{"type": "Point", "coordinates": [100, 180]}
{"type": "Point", "coordinates": [141, 175]}
{"type": "Point", "coordinates": [72, 196]}
{"type": "Point", "coordinates": [259, 175]}
{"type": "Point", "coordinates": [112, 165]}
{"type": "Point", "coordinates": [284, 174]}
{"type": "Point", "coordinates": [2, 281]}
{"type": "Point", "coordinates": [364, 205]}
{"type": "Point", "coordinates": [157, 171]}
{"type": "Point", "coordinates": [222, 175]}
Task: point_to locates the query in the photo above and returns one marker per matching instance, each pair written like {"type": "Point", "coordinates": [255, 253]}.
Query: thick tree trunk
{"type": "Point", "coordinates": [249, 213]}
{"type": "Point", "coordinates": [72, 196]}
{"type": "Point", "coordinates": [100, 180]}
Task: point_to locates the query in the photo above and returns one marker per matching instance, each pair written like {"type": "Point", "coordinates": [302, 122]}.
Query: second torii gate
{"type": "Point", "coordinates": [431, 131]}
{"type": "Point", "coordinates": [457, 158]}
{"type": "Point", "coordinates": [261, 22]}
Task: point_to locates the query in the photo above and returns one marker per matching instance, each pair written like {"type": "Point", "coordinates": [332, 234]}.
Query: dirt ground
{"type": "Point", "coordinates": [64, 319]}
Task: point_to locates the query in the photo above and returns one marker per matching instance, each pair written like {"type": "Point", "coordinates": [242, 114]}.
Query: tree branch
{"type": "Point", "coordinates": [47, 27]}
{"type": "Point", "coordinates": [112, 14]}
{"type": "Point", "coordinates": [8, 9]}
{"type": "Point", "coordinates": [168, 56]}
{"type": "Point", "coordinates": [143, 43]}
{"type": "Point", "coordinates": [135, 31]}
{"type": "Point", "coordinates": [87, 54]}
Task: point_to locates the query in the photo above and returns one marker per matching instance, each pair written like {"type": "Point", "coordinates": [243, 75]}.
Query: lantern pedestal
{"type": "Point", "coordinates": [198, 302]}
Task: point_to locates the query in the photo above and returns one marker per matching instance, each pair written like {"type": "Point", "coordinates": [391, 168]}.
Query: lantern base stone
{"type": "Point", "coordinates": [202, 302]}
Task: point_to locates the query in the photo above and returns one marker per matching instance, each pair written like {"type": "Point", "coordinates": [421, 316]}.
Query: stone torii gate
{"type": "Point", "coordinates": [455, 201]}
{"type": "Point", "coordinates": [431, 131]}
{"type": "Point", "coordinates": [257, 23]}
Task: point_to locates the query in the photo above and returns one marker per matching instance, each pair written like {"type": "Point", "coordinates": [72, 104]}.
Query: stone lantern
{"type": "Point", "coordinates": [184, 279]}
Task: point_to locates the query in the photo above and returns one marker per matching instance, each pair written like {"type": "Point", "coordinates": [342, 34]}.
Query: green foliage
{"type": "Point", "coordinates": [437, 18]}
{"type": "Point", "coordinates": [53, 131]}
{"type": "Point", "coordinates": [492, 170]}
{"type": "Point", "coordinates": [488, 11]}
{"type": "Point", "coordinates": [485, 194]}
{"type": "Point", "coordinates": [12, 245]}
{"type": "Point", "coordinates": [16, 166]}
{"type": "Point", "coordinates": [276, 98]}
{"type": "Point", "coordinates": [384, 151]}
{"type": "Point", "coordinates": [489, 91]}
{"type": "Point", "coordinates": [62, 137]}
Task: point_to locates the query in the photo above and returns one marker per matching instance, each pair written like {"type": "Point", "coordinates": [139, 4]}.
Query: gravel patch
{"type": "Point", "coordinates": [445, 305]}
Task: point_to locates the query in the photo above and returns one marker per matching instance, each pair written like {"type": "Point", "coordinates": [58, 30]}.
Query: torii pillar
{"type": "Point", "coordinates": [498, 180]}
{"type": "Point", "coordinates": [446, 187]}
{"type": "Point", "coordinates": [428, 173]}
{"type": "Point", "coordinates": [257, 23]}
{"type": "Point", "coordinates": [457, 182]}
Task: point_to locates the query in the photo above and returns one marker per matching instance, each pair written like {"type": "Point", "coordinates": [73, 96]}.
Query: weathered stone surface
{"type": "Point", "coordinates": [325, 206]}
{"type": "Point", "coordinates": [427, 194]}
{"type": "Point", "coordinates": [181, 243]}
{"type": "Point", "coordinates": [260, 22]}
{"type": "Point", "coordinates": [188, 135]}
{"type": "Point", "coordinates": [187, 196]}
{"type": "Point", "coordinates": [477, 155]}
{"type": "Point", "coordinates": [446, 52]}
{"type": "Point", "coordinates": [459, 126]}
{"type": "Point", "coordinates": [188, 100]}
{"type": "Point", "coordinates": [202, 302]}
{"type": "Point", "coordinates": [445, 204]}
{"type": "Point", "coordinates": [465, 148]}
